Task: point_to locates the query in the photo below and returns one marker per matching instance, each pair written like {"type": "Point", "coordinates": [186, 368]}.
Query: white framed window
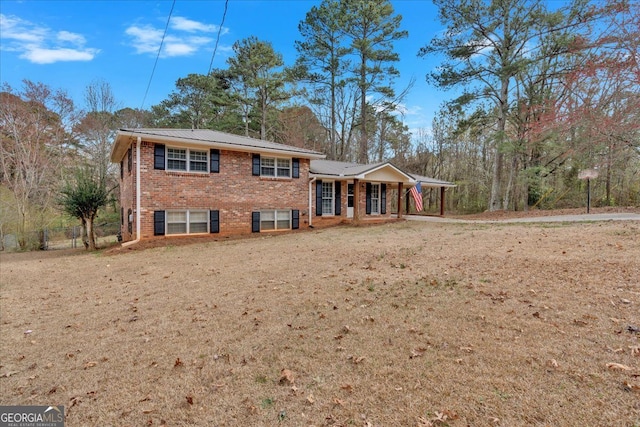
{"type": "Point", "coordinates": [283, 168]}
{"type": "Point", "coordinates": [375, 199]}
{"type": "Point", "coordinates": [276, 167]}
{"type": "Point", "coordinates": [176, 159]}
{"type": "Point", "coordinates": [327, 197]}
{"type": "Point", "coordinates": [188, 160]}
{"type": "Point", "coordinates": [187, 222]}
{"type": "Point", "coordinates": [275, 220]}
{"type": "Point", "coordinates": [198, 161]}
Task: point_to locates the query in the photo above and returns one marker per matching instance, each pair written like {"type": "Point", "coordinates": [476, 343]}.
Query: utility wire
{"type": "Point", "coordinates": [155, 64]}
{"type": "Point", "coordinates": [215, 48]}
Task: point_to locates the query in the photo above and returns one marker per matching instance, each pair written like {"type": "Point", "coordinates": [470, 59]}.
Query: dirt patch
{"type": "Point", "coordinates": [412, 323]}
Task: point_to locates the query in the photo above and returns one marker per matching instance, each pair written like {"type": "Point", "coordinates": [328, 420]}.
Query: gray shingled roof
{"type": "Point", "coordinates": [210, 138]}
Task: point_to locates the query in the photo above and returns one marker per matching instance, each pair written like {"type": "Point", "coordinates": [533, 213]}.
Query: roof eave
{"type": "Point", "coordinates": [119, 148]}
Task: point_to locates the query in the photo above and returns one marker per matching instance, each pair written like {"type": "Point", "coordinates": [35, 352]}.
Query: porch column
{"type": "Point", "coordinates": [356, 201]}
{"type": "Point", "coordinates": [399, 200]}
{"type": "Point", "coordinates": [442, 201]}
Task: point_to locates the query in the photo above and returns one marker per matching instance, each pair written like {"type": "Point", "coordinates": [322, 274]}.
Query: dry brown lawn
{"type": "Point", "coordinates": [405, 324]}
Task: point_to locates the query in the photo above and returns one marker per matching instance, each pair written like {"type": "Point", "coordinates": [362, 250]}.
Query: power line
{"type": "Point", "coordinates": [215, 48]}
{"type": "Point", "coordinates": [146, 92]}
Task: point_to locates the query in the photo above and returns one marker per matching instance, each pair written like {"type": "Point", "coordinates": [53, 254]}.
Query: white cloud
{"type": "Point", "coordinates": [184, 38]}
{"type": "Point", "coordinates": [179, 49]}
{"type": "Point", "coordinates": [183, 24]}
{"type": "Point", "coordinates": [66, 36]}
{"type": "Point", "coordinates": [49, 56]}
{"type": "Point", "coordinates": [41, 45]}
{"type": "Point", "coordinates": [145, 39]}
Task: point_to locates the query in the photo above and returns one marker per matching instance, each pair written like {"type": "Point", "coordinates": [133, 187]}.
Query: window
{"type": "Point", "coordinates": [198, 221]}
{"type": "Point", "coordinates": [197, 161]}
{"type": "Point", "coordinates": [275, 220]}
{"type": "Point", "coordinates": [177, 222]}
{"type": "Point", "coordinates": [275, 167]}
{"type": "Point", "coordinates": [182, 159]}
{"type": "Point", "coordinates": [375, 199]}
{"type": "Point", "coordinates": [284, 168]}
{"type": "Point", "coordinates": [327, 198]}
{"type": "Point", "coordinates": [176, 159]}
{"type": "Point", "coordinates": [267, 166]}
{"type": "Point", "coordinates": [187, 222]}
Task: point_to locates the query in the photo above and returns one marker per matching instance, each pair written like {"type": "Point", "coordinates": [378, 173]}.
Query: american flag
{"type": "Point", "coordinates": [416, 192]}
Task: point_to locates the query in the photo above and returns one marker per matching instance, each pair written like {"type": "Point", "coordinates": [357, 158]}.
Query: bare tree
{"type": "Point", "coordinates": [33, 130]}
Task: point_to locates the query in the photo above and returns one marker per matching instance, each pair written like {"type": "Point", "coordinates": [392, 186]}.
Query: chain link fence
{"type": "Point", "coordinates": [59, 238]}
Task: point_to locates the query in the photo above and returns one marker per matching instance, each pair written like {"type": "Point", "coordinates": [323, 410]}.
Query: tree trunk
{"type": "Point", "coordinates": [91, 237]}
{"type": "Point", "coordinates": [85, 240]}
{"type": "Point", "coordinates": [363, 146]}
{"type": "Point", "coordinates": [496, 183]}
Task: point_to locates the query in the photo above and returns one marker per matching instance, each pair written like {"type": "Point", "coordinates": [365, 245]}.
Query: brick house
{"type": "Point", "coordinates": [186, 182]}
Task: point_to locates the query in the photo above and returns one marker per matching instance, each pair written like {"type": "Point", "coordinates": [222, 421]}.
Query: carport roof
{"type": "Point", "coordinates": [432, 182]}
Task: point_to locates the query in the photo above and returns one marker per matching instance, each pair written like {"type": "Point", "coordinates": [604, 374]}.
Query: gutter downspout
{"type": "Point", "coordinates": [311, 181]}
{"type": "Point", "coordinates": [138, 225]}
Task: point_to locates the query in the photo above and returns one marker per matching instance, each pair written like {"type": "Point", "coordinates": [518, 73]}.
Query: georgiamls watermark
{"type": "Point", "coordinates": [31, 416]}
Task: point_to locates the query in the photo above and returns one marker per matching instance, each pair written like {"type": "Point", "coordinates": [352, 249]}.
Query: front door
{"type": "Point", "coordinates": [349, 200]}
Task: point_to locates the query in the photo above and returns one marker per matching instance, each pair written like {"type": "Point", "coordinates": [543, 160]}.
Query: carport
{"type": "Point", "coordinates": [426, 182]}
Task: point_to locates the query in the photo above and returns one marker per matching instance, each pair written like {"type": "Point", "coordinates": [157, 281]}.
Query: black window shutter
{"type": "Point", "coordinates": [158, 223]}
{"type": "Point", "coordinates": [214, 221]}
{"type": "Point", "coordinates": [319, 198]}
{"type": "Point", "coordinates": [368, 198]}
{"type": "Point", "coordinates": [383, 199]}
{"type": "Point", "coordinates": [129, 160]}
{"type": "Point", "coordinates": [121, 216]}
{"type": "Point", "coordinates": [295, 219]}
{"type": "Point", "coordinates": [121, 169]}
{"type": "Point", "coordinates": [255, 170]}
{"type": "Point", "coordinates": [255, 222]}
{"type": "Point", "coordinates": [214, 160]}
{"type": "Point", "coordinates": [338, 189]}
{"type": "Point", "coordinates": [295, 168]}
{"type": "Point", "coordinates": [158, 156]}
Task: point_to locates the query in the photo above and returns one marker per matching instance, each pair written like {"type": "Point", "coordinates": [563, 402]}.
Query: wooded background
{"type": "Point", "coordinates": [542, 96]}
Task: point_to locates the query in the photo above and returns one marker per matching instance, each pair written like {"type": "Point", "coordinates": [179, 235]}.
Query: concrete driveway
{"type": "Point", "coordinates": [558, 218]}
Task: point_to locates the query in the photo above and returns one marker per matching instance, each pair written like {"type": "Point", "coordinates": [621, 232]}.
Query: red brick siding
{"type": "Point", "coordinates": [234, 191]}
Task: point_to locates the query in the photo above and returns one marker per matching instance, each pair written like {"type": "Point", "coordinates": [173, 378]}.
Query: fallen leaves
{"type": "Point", "coordinates": [417, 352]}
{"type": "Point", "coordinates": [618, 367]}
{"type": "Point", "coordinates": [356, 360]}
{"type": "Point", "coordinates": [439, 419]}
{"type": "Point", "coordinates": [286, 377]}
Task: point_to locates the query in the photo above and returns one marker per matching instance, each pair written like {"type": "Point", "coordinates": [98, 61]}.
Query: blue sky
{"type": "Point", "coordinates": [69, 44]}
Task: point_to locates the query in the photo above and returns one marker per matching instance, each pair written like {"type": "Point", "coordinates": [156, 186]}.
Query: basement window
{"type": "Point", "coordinates": [187, 222]}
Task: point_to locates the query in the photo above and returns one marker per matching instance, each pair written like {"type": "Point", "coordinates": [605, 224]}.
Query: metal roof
{"type": "Point", "coordinates": [331, 168]}
{"type": "Point", "coordinates": [432, 182]}
{"type": "Point", "coordinates": [208, 138]}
